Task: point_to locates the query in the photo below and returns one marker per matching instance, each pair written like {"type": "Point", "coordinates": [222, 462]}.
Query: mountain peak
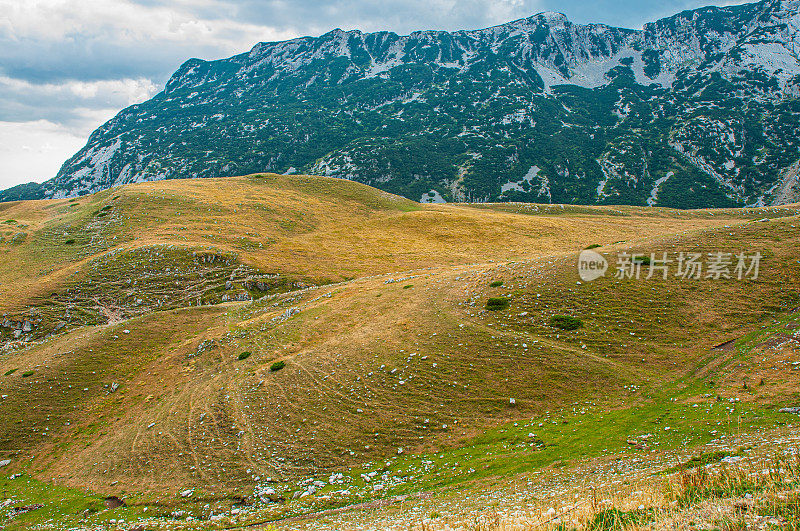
{"type": "Point", "coordinates": [552, 17]}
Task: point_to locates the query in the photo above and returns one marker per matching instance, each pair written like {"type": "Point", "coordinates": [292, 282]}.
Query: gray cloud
{"type": "Point", "coordinates": [67, 102]}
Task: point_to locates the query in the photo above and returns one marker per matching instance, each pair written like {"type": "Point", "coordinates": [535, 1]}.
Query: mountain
{"type": "Point", "coordinates": [696, 110]}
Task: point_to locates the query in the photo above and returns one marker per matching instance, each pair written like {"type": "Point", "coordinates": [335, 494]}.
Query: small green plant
{"type": "Point", "coordinates": [12, 371]}
{"type": "Point", "coordinates": [497, 303]}
{"type": "Point", "coordinates": [27, 373]}
{"type": "Point", "coordinates": [496, 284]}
{"type": "Point", "coordinates": [278, 365]}
{"type": "Point", "coordinates": [643, 260]}
{"type": "Point", "coordinates": [565, 322]}
{"type": "Point", "coordinates": [610, 519]}
{"type": "Point", "coordinates": [593, 246]}
{"type": "Point", "coordinates": [70, 241]}
{"type": "Point", "coordinates": [408, 286]}
{"type": "Point", "coordinates": [785, 506]}
{"type": "Point", "coordinates": [244, 355]}
{"type": "Point", "coordinates": [732, 524]}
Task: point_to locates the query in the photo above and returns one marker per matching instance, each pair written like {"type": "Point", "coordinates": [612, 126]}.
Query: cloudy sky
{"type": "Point", "coordinates": [66, 66]}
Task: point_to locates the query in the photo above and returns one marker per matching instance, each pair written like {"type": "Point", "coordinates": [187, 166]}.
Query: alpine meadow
{"type": "Point", "coordinates": [540, 276]}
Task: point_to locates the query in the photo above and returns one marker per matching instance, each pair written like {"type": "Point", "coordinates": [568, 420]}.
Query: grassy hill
{"type": "Point", "coordinates": [202, 336]}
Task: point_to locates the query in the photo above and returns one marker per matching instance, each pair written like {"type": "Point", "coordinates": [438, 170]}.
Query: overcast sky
{"type": "Point", "coordinates": [66, 66]}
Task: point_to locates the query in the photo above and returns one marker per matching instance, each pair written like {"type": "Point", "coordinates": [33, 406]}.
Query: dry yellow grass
{"type": "Point", "coordinates": [402, 288]}
{"type": "Point", "coordinates": [313, 228]}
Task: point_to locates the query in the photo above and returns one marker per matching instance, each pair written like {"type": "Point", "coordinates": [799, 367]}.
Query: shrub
{"type": "Point", "coordinates": [496, 284]}
{"type": "Point", "coordinates": [408, 286]}
{"type": "Point", "coordinates": [12, 371]}
{"type": "Point", "coordinates": [278, 365]}
{"type": "Point", "coordinates": [70, 241]}
{"type": "Point", "coordinates": [593, 246]}
{"type": "Point", "coordinates": [644, 260]}
{"type": "Point", "coordinates": [244, 355]}
{"type": "Point", "coordinates": [27, 373]}
{"type": "Point", "coordinates": [497, 303]}
{"type": "Point", "coordinates": [565, 322]}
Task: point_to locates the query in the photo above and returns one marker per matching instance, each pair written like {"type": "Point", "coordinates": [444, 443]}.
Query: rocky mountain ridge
{"type": "Point", "coordinates": [696, 110]}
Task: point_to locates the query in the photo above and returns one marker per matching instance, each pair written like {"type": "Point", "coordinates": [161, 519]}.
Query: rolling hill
{"type": "Point", "coordinates": [295, 343]}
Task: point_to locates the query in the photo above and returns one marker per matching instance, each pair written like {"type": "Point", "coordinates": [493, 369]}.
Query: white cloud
{"type": "Point", "coordinates": [53, 120]}
{"type": "Point", "coordinates": [59, 20]}
{"type": "Point", "coordinates": [124, 91]}
{"type": "Point", "coordinates": [34, 151]}
{"type": "Point", "coordinates": [75, 105]}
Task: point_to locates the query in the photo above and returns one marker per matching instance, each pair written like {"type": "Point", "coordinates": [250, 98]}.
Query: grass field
{"type": "Point", "coordinates": [206, 346]}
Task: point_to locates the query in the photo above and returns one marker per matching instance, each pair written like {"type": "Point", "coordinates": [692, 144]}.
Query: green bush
{"type": "Point", "coordinates": [593, 246]}
{"type": "Point", "coordinates": [12, 371]}
{"type": "Point", "coordinates": [244, 355]}
{"type": "Point", "coordinates": [497, 303]}
{"type": "Point", "coordinates": [70, 241]}
{"type": "Point", "coordinates": [644, 260]}
{"type": "Point", "coordinates": [565, 322]}
{"type": "Point", "coordinates": [278, 365]}
{"type": "Point", "coordinates": [27, 373]}
{"type": "Point", "coordinates": [496, 284]}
